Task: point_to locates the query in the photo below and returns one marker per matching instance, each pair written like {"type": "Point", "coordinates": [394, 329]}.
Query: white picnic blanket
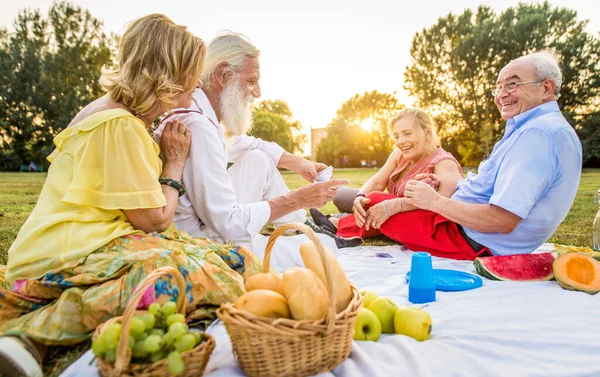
{"type": "Point", "coordinates": [500, 329]}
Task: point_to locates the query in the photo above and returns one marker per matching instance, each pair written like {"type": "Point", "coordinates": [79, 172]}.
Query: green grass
{"type": "Point", "coordinates": [576, 229]}
{"type": "Point", "coordinates": [18, 196]}
{"type": "Point", "coordinates": [20, 192]}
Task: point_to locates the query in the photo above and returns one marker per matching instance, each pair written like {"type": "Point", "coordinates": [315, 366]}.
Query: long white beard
{"type": "Point", "coordinates": [236, 113]}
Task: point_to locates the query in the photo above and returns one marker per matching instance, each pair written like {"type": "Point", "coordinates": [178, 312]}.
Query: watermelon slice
{"type": "Point", "coordinates": [520, 267]}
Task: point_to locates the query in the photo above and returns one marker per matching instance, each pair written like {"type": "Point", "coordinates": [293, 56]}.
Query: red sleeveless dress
{"type": "Point", "coordinates": [418, 230]}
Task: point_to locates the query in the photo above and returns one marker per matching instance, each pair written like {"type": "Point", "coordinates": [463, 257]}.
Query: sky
{"type": "Point", "coordinates": [315, 54]}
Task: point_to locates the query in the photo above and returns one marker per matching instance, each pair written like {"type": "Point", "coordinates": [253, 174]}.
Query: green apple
{"type": "Point", "coordinates": [367, 326]}
{"type": "Point", "coordinates": [368, 297]}
{"type": "Point", "coordinates": [385, 310]}
{"type": "Point", "coordinates": [412, 322]}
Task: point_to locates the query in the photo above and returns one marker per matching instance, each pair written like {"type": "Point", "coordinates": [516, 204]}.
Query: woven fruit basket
{"type": "Point", "coordinates": [195, 360]}
{"type": "Point", "coordinates": [285, 347]}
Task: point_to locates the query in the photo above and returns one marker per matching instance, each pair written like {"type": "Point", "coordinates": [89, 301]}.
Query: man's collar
{"type": "Point", "coordinates": [202, 101]}
{"type": "Point", "coordinates": [519, 120]}
{"type": "Point", "coordinates": [544, 108]}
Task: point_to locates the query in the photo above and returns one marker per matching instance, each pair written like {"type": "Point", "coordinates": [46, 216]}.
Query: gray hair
{"type": "Point", "coordinates": [547, 67]}
{"type": "Point", "coordinates": [226, 46]}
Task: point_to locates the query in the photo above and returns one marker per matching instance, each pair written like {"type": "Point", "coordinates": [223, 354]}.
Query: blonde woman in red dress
{"type": "Point", "coordinates": [418, 155]}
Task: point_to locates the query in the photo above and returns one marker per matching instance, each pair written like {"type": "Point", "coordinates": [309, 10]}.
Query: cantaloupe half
{"type": "Point", "coordinates": [577, 272]}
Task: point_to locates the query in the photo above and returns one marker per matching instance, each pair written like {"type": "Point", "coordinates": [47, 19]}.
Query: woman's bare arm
{"type": "Point", "coordinates": [379, 181]}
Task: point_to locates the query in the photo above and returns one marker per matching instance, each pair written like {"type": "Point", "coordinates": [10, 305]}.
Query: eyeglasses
{"type": "Point", "coordinates": [511, 87]}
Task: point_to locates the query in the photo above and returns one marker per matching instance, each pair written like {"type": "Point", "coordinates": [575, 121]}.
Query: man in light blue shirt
{"type": "Point", "coordinates": [525, 188]}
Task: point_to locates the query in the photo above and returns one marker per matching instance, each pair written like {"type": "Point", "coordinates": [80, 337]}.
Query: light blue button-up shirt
{"type": "Point", "coordinates": [533, 172]}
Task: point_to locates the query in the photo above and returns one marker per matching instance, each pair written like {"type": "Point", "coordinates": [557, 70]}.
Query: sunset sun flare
{"type": "Point", "coordinates": [367, 124]}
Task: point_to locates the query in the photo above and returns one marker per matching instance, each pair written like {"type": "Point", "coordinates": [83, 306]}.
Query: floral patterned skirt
{"type": "Point", "coordinates": [67, 304]}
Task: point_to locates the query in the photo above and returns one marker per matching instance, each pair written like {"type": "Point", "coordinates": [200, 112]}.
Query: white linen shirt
{"type": "Point", "coordinates": [209, 208]}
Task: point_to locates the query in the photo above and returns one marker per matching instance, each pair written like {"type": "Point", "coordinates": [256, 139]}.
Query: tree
{"type": "Point", "coordinates": [21, 71]}
{"type": "Point", "coordinates": [4, 75]}
{"type": "Point", "coordinates": [273, 121]}
{"type": "Point", "coordinates": [455, 64]}
{"type": "Point", "coordinates": [588, 130]}
{"type": "Point", "coordinates": [50, 69]}
{"type": "Point", "coordinates": [346, 137]}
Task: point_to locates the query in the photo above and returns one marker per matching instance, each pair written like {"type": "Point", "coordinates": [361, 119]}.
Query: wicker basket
{"type": "Point", "coordinates": [195, 360]}
{"type": "Point", "coordinates": [286, 347]}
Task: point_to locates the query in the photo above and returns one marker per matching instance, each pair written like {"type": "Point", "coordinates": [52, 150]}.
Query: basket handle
{"type": "Point", "coordinates": [331, 312]}
{"type": "Point", "coordinates": [123, 354]}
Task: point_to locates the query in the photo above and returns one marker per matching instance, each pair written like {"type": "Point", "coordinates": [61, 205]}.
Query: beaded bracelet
{"type": "Point", "coordinates": [173, 183]}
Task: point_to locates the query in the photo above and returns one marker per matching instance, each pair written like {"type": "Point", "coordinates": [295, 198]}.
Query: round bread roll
{"type": "Point", "coordinates": [264, 303]}
{"type": "Point", "coordinates": [306, 294]}
{"type": "Point", "coordinates": [265, 280]}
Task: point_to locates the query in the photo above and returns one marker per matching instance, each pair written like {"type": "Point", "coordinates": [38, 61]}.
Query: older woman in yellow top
{"type": "Point", "coordinates": [103, 218]}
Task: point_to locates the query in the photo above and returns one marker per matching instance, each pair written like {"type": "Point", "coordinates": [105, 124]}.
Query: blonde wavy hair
{"type": "Point", "coordinates": [158, 59]}
{"type": "Point", "coordinates": [422, 119]}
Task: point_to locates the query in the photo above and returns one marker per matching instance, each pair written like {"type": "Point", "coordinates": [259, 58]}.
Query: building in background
{"type": "Point", "coordinates": [316, 135]}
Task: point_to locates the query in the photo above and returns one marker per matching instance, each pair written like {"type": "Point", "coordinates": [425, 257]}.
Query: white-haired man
{"type": "Point", "coordinates": [232, 205]}
{"type": "Point", "coordinates": [522, 191]}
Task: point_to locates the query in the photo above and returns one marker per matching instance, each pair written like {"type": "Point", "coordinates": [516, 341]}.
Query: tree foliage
{"type": "Point", "coordinates": [455, 64]}
{"type": "Point", "coordinates": [346, 137]}
{"type": "Point", "coordinates": [273, 121]}
{"type": "Point", "coordinates": [49, 69]}
{"type": "Point", "coordinates": [589, 133]}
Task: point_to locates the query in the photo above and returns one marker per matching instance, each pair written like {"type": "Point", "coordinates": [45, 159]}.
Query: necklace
{"type": "Point", "coordinates": [161, 119]}
{"type": "Point", "coordinates": [158, 120]}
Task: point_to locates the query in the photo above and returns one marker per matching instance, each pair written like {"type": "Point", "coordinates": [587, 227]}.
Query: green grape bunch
{"type": "Point", "coordinates": [159, 334]}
